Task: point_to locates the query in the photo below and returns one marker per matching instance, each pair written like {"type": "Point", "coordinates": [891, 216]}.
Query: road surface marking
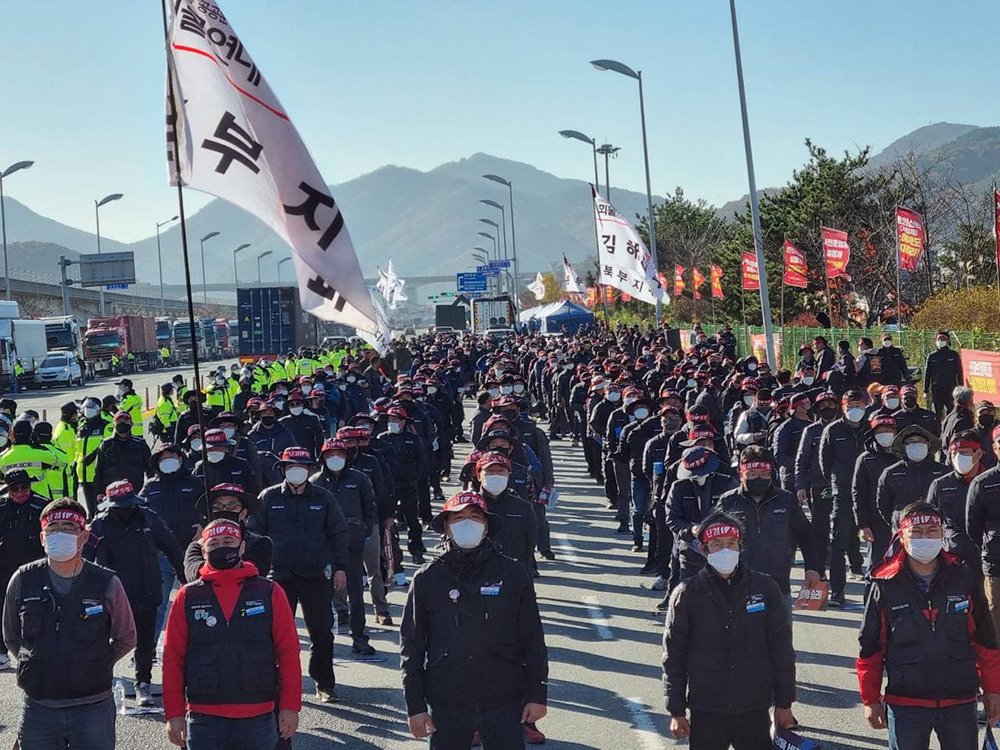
{"type": "Point", "coordinates": [643, 725]}
{"type": "Point", "coordinates": [596, 615]}
{"type": "Point", "coordinates": [568, 549]}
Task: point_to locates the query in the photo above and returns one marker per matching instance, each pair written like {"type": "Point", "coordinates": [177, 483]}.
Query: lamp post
{"type": "Point", "coordinates": [262, 255]}
{"type": "Point", "coordinates": [577, 135]}
{"type": "Point", "coordinates": [625, 70]}
{"type": "Point", "coordinates": [513, 235]}
{"type": "Point", "coordinates": [204, 279]}
{"type": "Point", "coordinates": [18, 166]}
{"type": "Point", "coordinates": [608, 151]}
{"type": "Point", "coordinates": [280, 262]}
{"type": "Point", "coordinates": [97, 216]}
{"type": "Point", "coordinates": [159, 261]}
{"type": "Point", "coordinates": [481, 254]}
{"type": "Point", "coordinates": [503, 221]}
{"type": "Point", "coordinates": [496, 226]}
{"type": "Point", "coordinates": [236, 273]}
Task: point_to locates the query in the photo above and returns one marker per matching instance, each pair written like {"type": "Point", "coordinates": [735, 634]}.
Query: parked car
{"type": "Point", "coordinates": [59, 368]}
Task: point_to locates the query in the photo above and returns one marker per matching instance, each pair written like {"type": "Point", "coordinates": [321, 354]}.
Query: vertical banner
{"type": "Point", "coordinates": [795, 267]}
{"type": "Point", "coordinates": [751, 273]}
{"type": "Point", "coordinates": [678, 280]}
{"type": "Point", "coordinates": [758, 342]}
{"type": "Point", "coordinates": [717, 282]}
{"type": "Point", "coordinates": [911, 237]}
{"type": "Point", "coordinates": [591, 296]}
{"type": "Point", "coordinates": [698, 281]}
{"type": "Point", "coordinates": [837, 253]}
{"type": "Point", "coordinates": [623, 259]}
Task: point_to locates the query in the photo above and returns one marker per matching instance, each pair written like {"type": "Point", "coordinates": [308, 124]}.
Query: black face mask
{"type": "Point", "coordinates": [268, 420]}
{"type": "Point", "coordinates": [227, 515]}
{"type": "Point", "coordinates": [987, 421]}
{"type": "Point", "coordinates": [758, 487]}
{"type": "Point", "coordinates": [670, 425]}
{"type": "Point", "coordinates": [828, 413]}
{"type": "Point", "coordinates": [909, 403]}
{"type": "Point", "coordinates": [123, 429]}
{"type": "Point", "coordinates": [245, 388]}
{"type": "Point", "coordinates": [224, 558]}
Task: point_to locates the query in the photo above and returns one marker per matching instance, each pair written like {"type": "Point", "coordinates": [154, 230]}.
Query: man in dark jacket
{"type": "Point", "coordinates": [408, 471]}
{"type": "Point", "coordinates": [223, 466]}
{"type": "Point", "coordinates": [811, 487]}
{"type": "Point", "coordinates": [228, 502]}
{"type": "Point", "coordinates": [630, 447]}
{"type": "Point", "coordinates": [911, 475]}
{"type": "Point", "coordinates": [892, 369]}
{"type": "Point", "coordinates": [243, 448]}
{"type": "Point", "coordinates": [942, 374]}
{"type": "Point", "coordinates": [126, 537]}
{"type": "Point", "coordinates": [949, 494]}
{"type": "Point", "coordinates": [472, 650]}
{"type": "Point", "coordinates": [871, 464]}
{"type": "Point", "coordinates": [982, 520]}
{"type": "Point", "coordinates": [305, 427]}
{"type": "Point", "coordinates": [654, 467]}
{"type": "Point", "coordinates": [961, 416]}
{"type": "Point", "coordinates": [788, 437]}
{"type": "Point", "coordinates": [727, 648]}
{"type": "Point", "coordinates": [20, 531]}
{"type": "Point", "coordinates": [356, 497]}
{"type": "Point", "coordinates": [122, 456]}
{"type": "Point", "coordinates": [311, 538]}
{"type": "Point", "coordinates": [927, 628]}
{"type": "Point", "coordinates": [518, 529]}
{"type": "Point", "coordinates": [271, 440]}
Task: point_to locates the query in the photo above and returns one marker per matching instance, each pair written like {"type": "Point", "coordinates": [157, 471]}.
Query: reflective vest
{"type": "Point", "coordinates": [60, 476]}
{"type": "Point", "coordinates": [64, 436]}
{"type": "Point", "coordinates": [36, 461]}
{"type": "Point", "coordinates": [132, 403]}
{"type": "Point", "coordinates": [167, 411]}
{"type": "Point", "coordinates": [88, 441]}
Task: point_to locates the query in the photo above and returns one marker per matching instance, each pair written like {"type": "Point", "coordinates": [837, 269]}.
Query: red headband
{"type": "Point", "coordinates": [752, 465]}
{"type": "Point", "coordinates": [65, 515]}
{"type": "Point", "coordinates": [957, 445]}
{"type": "Point", "coordinates": [222, 529]}
{"type": "Point", "coordinates": [920, 519]}
{"type": "Point", "coordinates": [717, 530]}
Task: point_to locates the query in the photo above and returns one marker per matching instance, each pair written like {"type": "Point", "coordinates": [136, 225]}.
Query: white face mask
{"type": "Point", "coordinates": [507, 390]}
{"type": "Point", "coordinates": [808, 380]}
{"type": "Point", "coordinates": [3, 441]}
{"type": "Point", "coordinates": [60, 546]}
{"type": "Point", "coordinates": [916, 451]}
{"type": "Point", "coordinates": [924, 550]}
{"type": "Point", "coordinates": [629, 401]}
{"type": "Point", "coordinates": [295, 410]}
{"type": "Point", "coordinates": [519, 388]}
{"type": "Point", "coordinates": [220, 380]}
{"type": "Point", "coordinates": [169, 465]}
{"type": "Point", "coordinates": [351, 378]}
{"type": "Point", "coordinates": [892, 403]}
{"type": "Point", "coordinates": [700, 481]}
{"type": "Point", "coordinates": [336, 463]}
{"type": "Point", "coordinates": [884, 439]}
{"type": "Point", "coordinates": [120, 391]}
{"type": "Point", "coordinates": [495, 484]}
{"type": "Point", "coordinates": [963, 464]}
{"type": "Point", "coordinates": [306, 390]}
{"type": "Point", "coordinates": [431, 390]}
{"type": "Point", "coordinates": [297, 475]}
{"type": "Point", "coordinates": [940, 343]}
{"type": "Point", "coordinates": [395, 427]}
{"type": "Point", "coordinates": [467, 533]}
{"type": "Point", "coordinates": [494, 392]}
{"type": "Point", "coordinates": [91, 411]}
{"type": "Point", "coordinates": [614, 395]}
{"type": "Point", "coordinates": [215, 456]}
{"type": "Point", "coordinates": [342, 386]}
{"type": "Point", "coordinates": [751, 367]}
{"type": "Point", "coordinates": [641, 413]}
{"type": "Point", "coordinates": [748, 400]}
{"type": "Point", "coordinates": [855, 414]}
{"type": "Point", "coordinates": [724, 561]}
{"type": "Point", "coordinates": [196, 446]}
{"type": "Point", "coordinates": [691, 383]}
{"type": "Point", "coordinates": [886, 343]}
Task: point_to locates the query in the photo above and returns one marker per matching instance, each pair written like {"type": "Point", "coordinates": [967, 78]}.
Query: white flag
{"type": "Point", "coordinates": [236, 142]}
{"type": "Point", "coordinates": [537, 287]}
{"type": "Point", "coordinates": [391, 286]}
{"type": "Point", "coordinates": [572, 282]}
{"type": "Point", "coordinates": [624, 261]}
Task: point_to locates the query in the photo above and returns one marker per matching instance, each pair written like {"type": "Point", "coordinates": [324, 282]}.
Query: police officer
{"type": "Point", "coordinates": [727, 647]}
{"type": "Point", "coordinates": [127, 538]}
{"type": "Point", "coordinates": [20, 542]}
{"type": "Point", "coordinates": [122, 456]}
{"type": "Point", "coordinates": [64, 436]}
{"type": "Point", "coordinates": [59, 478]}
{"type": "Point", "coordinates": [310, 537]}
{"type": "Point", "coordinates": [167, 412]}
{"type": "Point", "coordinates": [53, 605]}
{"type": "Point", "coordinates": [203, 674]}
{"type": "Point", "coordinates": [38, 462]}
{"type": "Point", "coordinates": [472, 650]}
{"type": "Point", "coordinates": [91, 432]}
{"type": "Point", "coordinates": [129, 401]}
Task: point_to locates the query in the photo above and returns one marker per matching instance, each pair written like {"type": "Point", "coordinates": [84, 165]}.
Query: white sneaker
{"type": "Point", "coordinates": [5, 662]}
{"type": "Point", "coordinates": [143, 697]}
{"type": "Point", "coordinates": [399, 579]}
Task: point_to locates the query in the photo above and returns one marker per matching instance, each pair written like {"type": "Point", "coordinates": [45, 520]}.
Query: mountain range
{"type": "Point", "coordinates": [427, 221]}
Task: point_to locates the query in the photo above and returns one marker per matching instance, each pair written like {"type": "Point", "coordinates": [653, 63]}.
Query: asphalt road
{"type": "Point", "coordinates": [603, 642]}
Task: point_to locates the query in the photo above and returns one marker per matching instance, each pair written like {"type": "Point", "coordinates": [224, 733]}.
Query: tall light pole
{"type": "Point", "coordinates": [765, 300]}
{"type": "Point", "coordinates": [482, 255]}
{"type": "Point", "coordinates": [490, 222]}
{"type": "Point", "coordinates": [97, 216]}
{"type": "Point", "coordinates": [513, 235]}
{"type": "Point", "coordinates": [204, 279]}
{"type": "Point", "coordinates": [625, 70]}
{"type": "Point", "coordinates": [280, 262]}
{"type": "Point", "coordinates": [236, 273]}
{"type": "Point", "coordinates": [608, 152]}
{"type": "Point", "coordinates": [577, 135]}
{"type": "Point", "coordinates": [159, 261]}
{"type": "Point", "coordinates": [262, 255]}
{"type": "Point", "coordinates": [493, 257]}
{"type": "Point", "coordinates": [16, 167]}
{"type": "Point", "coordinates": [503, 221]}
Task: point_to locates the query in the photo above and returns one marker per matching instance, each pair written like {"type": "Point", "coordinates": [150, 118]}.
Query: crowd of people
{"type": "Point", "coordinates": [291, 483]}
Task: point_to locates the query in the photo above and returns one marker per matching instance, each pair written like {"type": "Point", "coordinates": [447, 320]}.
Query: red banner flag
{"type": "Point", "coordinates": [717, 281]}
{"type": "Point", "coordinates": [591, 296]}
{"type": "Point", "coordinates": [698, 281]}
{"type": "Point", "coordinates": [795, 267]}
{"type": "Point", "coordinates": [678, 280]}
{"type": "Point", "coordinates": [626, 297]}
{"type": "Point", "coordinates": [911, 238]}
{"type": "Point", "coordinates": [751, 273]}
{"type": "Point", "coordinates": [837, 253]}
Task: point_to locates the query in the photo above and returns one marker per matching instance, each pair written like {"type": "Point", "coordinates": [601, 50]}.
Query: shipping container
{"type": "Point", "coordinates": [272, 322]}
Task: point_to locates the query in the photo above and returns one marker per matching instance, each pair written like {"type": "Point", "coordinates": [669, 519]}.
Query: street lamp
{"type": "Point", "coordinates": [159, 260]}
{"type": "Point", "coordinates": [513, 236]}
{"type": "Point", "coordinates": [577, 135]}
{"type": "Point", "coordinates": [3, 220]}
{"type": "Point", "coordinates": [283, 260]}
{"type": "Point", "coordinates": [262, 255]}
{"type": "Point", "coordinates": [204, 279]}
{"type": "Point", "coordinates": [625, 70]}
{"type": "Point", "coordinates": [97, 215]}
{"type": "Point", "coordinates": [503, 221]}
{"type": "Point", "coordinates": [236, 273]}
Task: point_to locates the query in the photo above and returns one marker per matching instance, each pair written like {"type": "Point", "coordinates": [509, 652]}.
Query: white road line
{"type": "Point", "coordinates": [596, 615]}
{"type": "Point", "coordinates": [643, 725]}
{"type": "Point", "coordinates": [568, 549]}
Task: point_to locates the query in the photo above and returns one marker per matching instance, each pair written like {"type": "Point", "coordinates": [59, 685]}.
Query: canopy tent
{"type": "Point", "coordinates": [552, 317]}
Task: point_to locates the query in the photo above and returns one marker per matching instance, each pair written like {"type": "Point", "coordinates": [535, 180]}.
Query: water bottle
{"type": "Point", "coordinates": [119, 693]}
{"type": "Point", "coordinates": [336, 621]}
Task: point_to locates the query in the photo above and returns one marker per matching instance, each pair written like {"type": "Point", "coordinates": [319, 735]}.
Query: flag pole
{"type": "Point", "coordinates": [783, 300]}
{"type": "Point", "coordinates": [184, 243]}
{"type": "Point", "coordinates": [899, 275]}
{"type": "Point", "coordinates": [597, 244]}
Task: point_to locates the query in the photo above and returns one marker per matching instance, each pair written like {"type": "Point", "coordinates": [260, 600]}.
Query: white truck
{"type": "Point", "coordinates": [20, 341]}
{"type": "Point", "coordinates": [493, 314]}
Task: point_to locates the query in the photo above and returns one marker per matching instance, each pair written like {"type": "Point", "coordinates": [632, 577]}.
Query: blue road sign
{"type": "Point", "coordinates": [499, 264]}
{"type": "Point", "coordinates": [471, 282]}
{"type": "Point", "coordinates": [116, 286]}
{"type": "Point", "coordinates": [487, 271]}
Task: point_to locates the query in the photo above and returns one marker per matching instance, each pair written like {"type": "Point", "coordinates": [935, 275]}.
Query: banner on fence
{"type": "Point", "coordinates": [982, 374]}
{"type": "Point", "coordinates": [758, 342]}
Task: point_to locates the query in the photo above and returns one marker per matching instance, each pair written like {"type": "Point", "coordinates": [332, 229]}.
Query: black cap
{"type": "Point", "coordinates": [69, 409]}
{"type": "Point", "coordinates": [17, 476]}
{"type": "Point", "coordinates": [125, 381]}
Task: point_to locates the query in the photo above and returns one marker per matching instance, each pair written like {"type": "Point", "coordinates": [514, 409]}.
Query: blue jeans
{"type": "Point", "coordinates": [640, 501]}
{"type": "Point", "coordinates": [500, 728]}
{"type": "Point", "coordinates": [955, 726]}
{"type": "Point", "coordinates": [219, 733]}
{"type": "Point", "coordinates": [90, 726]}
{"type": "Point", "coordinates": [167, 578]}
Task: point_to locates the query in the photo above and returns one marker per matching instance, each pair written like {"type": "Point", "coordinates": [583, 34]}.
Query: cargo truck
{"type": "Point", "coordinates": [63, 334]}
{"type": "Point", "coordinates": [182, 341]}
{"type": "Point", "coordinates": [211, 341]}
{"type": "Point", "coordinates": [494, 314]}
{"type": "Point", "coordinates": [224, 338]}
{"type": "Point", "coordinates": [451, 316]}
{"type": "Point", "coordinates": [120, 336]}
{"type": "Point", "coordinates": [271, 322]}
{"type": "Point", "coordinates": [165, 338]}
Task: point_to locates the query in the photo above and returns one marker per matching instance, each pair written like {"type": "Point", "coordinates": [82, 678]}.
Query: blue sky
{"type": "Point", "coordinates": [421, 83]}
